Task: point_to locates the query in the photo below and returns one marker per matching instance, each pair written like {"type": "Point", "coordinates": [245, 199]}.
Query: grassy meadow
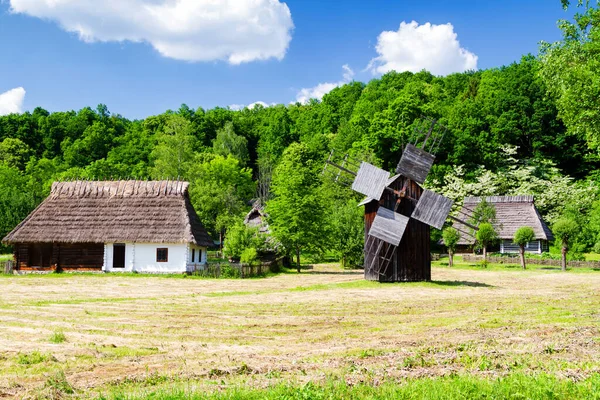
{"type": "Point", "coordinates": [497, 332]}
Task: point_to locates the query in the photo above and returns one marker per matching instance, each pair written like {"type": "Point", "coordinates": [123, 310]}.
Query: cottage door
{"type": "Point", "coordinates": [119, 255]}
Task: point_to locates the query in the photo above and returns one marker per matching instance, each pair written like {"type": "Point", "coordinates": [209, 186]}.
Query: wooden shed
{"type": "Point", "coordinates": [411, 260]}
{"type": "Point", "coordinates": [146, 226]}
{"type": "Point", "coordinates": [512, 213]}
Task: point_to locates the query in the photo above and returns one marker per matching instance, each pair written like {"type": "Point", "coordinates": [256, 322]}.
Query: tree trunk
{"type": "Point", "coordinates": [221, 243]}
{"type": "Point", "coordinates": [485, 253]}
{"type": "Point", "coordinates": [563, 263]}
{"type": "Point", "coordinates": [522, 254]}
{"type": "Point", "coordinates": [450, 258]}
{"type": "Point", "coordinates": [298, 259]}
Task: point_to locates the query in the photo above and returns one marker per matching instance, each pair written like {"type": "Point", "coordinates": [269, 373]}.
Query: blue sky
{"type": "Point", "coordinates": [173, 62]}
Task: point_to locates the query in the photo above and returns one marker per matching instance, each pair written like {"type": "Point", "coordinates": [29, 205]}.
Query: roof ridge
{"type": "Point", "coordinates": [527, 198]}
{"type": "Point", "coordinates": [118, 188]}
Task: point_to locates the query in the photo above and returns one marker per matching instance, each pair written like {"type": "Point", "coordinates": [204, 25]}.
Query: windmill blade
{"type": "Point", "coordinates": [432, 209]}
{"type": "Point", "coordinates": [388, 226]}
{"type": "Point", "coordinates": [370, 180]}
{"type": "Point", "coordinates": [415, 163]}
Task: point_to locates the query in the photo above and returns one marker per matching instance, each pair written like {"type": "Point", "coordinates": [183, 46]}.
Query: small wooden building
{"type": "Point", "coordinates": [512, 213]}
{"type": "Point", "coordinates": [145, 226]}
{"type": "Point", "coordinates": [411, 260]}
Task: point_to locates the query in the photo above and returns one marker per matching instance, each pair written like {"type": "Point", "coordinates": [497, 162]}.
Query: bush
{"type": "Point", "coordinates": [228, 272]}
{"type": "Point", "coordinates": [249, 256]}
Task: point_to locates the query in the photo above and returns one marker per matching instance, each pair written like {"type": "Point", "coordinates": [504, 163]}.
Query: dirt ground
{"type": "Point", "coordinates": [311, 326]}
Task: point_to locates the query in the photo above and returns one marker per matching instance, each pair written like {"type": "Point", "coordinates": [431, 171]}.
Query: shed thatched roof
{"type": "Point", "coordinates": [113, 211]}
{"type": "Point", "coordinates": [257, 218]}
{"type": "Point", "coordinates": [512, 213]}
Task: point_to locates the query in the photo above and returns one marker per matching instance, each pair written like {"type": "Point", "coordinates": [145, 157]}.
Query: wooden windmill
{"type": "Point", "coordinates": [398, 211]}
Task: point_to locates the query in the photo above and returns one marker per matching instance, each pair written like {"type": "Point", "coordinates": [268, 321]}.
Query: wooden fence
{"type": "Point", "coordinates": [237, 270]}
{"type": "Point", "coordinates": [6, 267]}
{"type": "Point", "coordinates": [533, 261]}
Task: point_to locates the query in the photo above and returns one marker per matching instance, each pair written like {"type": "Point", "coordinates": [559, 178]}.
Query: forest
{"type": "Point", "coordinates": [532, 127]}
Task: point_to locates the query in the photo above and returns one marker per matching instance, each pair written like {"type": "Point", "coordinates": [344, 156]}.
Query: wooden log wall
{"type": "Point", "coordinates": [411, 261]}
{"type": "Point", "coordinates": [80, 256]}
{"type": "Point", "coordinates": [66, 257]}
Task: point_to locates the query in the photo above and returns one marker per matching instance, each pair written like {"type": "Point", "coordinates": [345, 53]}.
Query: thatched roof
{"type": "Point", "coordinates": [257, 218]}
{"type": "Point", "coordinates": [113, 211]}
{"type": "Point", "coordinates": [512, 213]}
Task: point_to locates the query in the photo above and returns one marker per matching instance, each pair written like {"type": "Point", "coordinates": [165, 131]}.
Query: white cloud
{"type": "Point", "coordinates": [415, 47]}
{"type": "Point", "coordinates": [238, 107]}
{"type": "Point", "coordinates": [237, 31]}
{"type": "Point", "coordinates": [317, 92]}
{"type": "Point", "coordinates": [12, 101]}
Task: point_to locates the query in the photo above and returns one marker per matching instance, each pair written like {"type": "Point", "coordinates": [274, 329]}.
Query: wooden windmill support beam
{"type": "Point", "coordinates": [463, 222]}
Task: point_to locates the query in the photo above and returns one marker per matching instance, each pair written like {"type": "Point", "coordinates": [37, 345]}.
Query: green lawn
{"type": "Point", "coordinates": [512, 386]}
{"type": "Point", "coordinates": [530, 263]}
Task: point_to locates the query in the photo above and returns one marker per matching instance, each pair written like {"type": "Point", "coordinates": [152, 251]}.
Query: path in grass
{"type": "Point", "coordinates": [315, 326]}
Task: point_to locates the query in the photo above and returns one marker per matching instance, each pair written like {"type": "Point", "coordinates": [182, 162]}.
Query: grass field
{"type": "Point", "coordinates": [327, 333]}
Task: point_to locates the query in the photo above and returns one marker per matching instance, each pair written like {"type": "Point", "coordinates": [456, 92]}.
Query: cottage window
{"type": "Point", "coordinates": [193, 254]}
{"type": "Point", "coordinates": [162, 255]}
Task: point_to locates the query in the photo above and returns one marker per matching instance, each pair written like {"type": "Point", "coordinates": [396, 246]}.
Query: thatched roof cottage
{"type": "Point", "coordinates": [512, 213]}
{"type": "Point", "coordinates": [145, 226]}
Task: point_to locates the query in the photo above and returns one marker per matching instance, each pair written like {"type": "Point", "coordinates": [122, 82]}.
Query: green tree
{"type": "Point", "coordinates": [451, 237]}
{"type": "Point", "coordinates": [14, 153]}
{"type": "Point", "coordinates": [484, 212]}
{"type": "Point", "coordinates": [571, 71]}
{"type": "Point", "coordinates": [15, 201]}
{"type": "Point", "coordinates": [220, 189]}
{"type": "Point", "coordinates": [239, 237]}
{"type": "Point", "coordinates": [565, 229]}
{"type": "Point", "coordinates": [486, 235]}
{"type": "Point", "coordinates": [347, 232]}
{"type": "Point", "coordinates": [297, 210]}
{"type": "Point", "coordinates": [174, 152]}
{"type": "Point", "coordinates": [227, 142]}
{"type": "Point", "coordinates": [522, 236]}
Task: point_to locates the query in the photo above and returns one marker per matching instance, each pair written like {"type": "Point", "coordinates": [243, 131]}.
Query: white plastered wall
{"type": "Point", "coordinates": [141, 257]}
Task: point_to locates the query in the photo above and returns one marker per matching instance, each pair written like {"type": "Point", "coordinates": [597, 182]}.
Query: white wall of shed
{"type": "Point", "coordinates": [536, 246]}
{"type": "Point", "coordinates": [141, 257]}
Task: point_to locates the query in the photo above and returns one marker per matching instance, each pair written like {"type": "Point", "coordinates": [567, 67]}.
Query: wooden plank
{"type": "Point", "coordinates": [370, 181]}
{"type": "Point", "coordinates": [389, 226]}
{"type": "Point", "coordinates": [415, 163]}
{"type": "Point", "coordinates": [432, 209]}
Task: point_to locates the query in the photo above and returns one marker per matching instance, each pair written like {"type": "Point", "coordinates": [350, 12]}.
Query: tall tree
{"type": "Point", "coordinates": [565, 229]}
{"type": "Point", "coordinates": [522, 236]}
{"type": "Point", "coordinates": [220, 189]}
{"type": "Point", "coordinates": [451, 237]}
{"type": "Point", "coordinates": [571, 71]}
{"type": "Point", "coordinates": [486, 235]}
{"type": "Point", "coordinates": [174, 152]}
{"type": "Point", "coordinates": [227, 142]}
{"type": "Point", "coordinates": [297, 210]}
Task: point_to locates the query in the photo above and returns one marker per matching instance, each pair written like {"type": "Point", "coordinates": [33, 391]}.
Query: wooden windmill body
{"type": "Point", "coordinates": [398, 211]}
{"type": "Point", "coordinates": [411, 260]}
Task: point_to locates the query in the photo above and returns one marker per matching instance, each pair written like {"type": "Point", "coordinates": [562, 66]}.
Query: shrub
{"type": "Point", "coordinates": [228, 272]}
{"type": "Point", "coordinates": [249, 256]}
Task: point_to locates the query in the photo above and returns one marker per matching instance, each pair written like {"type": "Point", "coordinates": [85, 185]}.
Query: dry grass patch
{"type": "Point", "coordinates": [308, 327]}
